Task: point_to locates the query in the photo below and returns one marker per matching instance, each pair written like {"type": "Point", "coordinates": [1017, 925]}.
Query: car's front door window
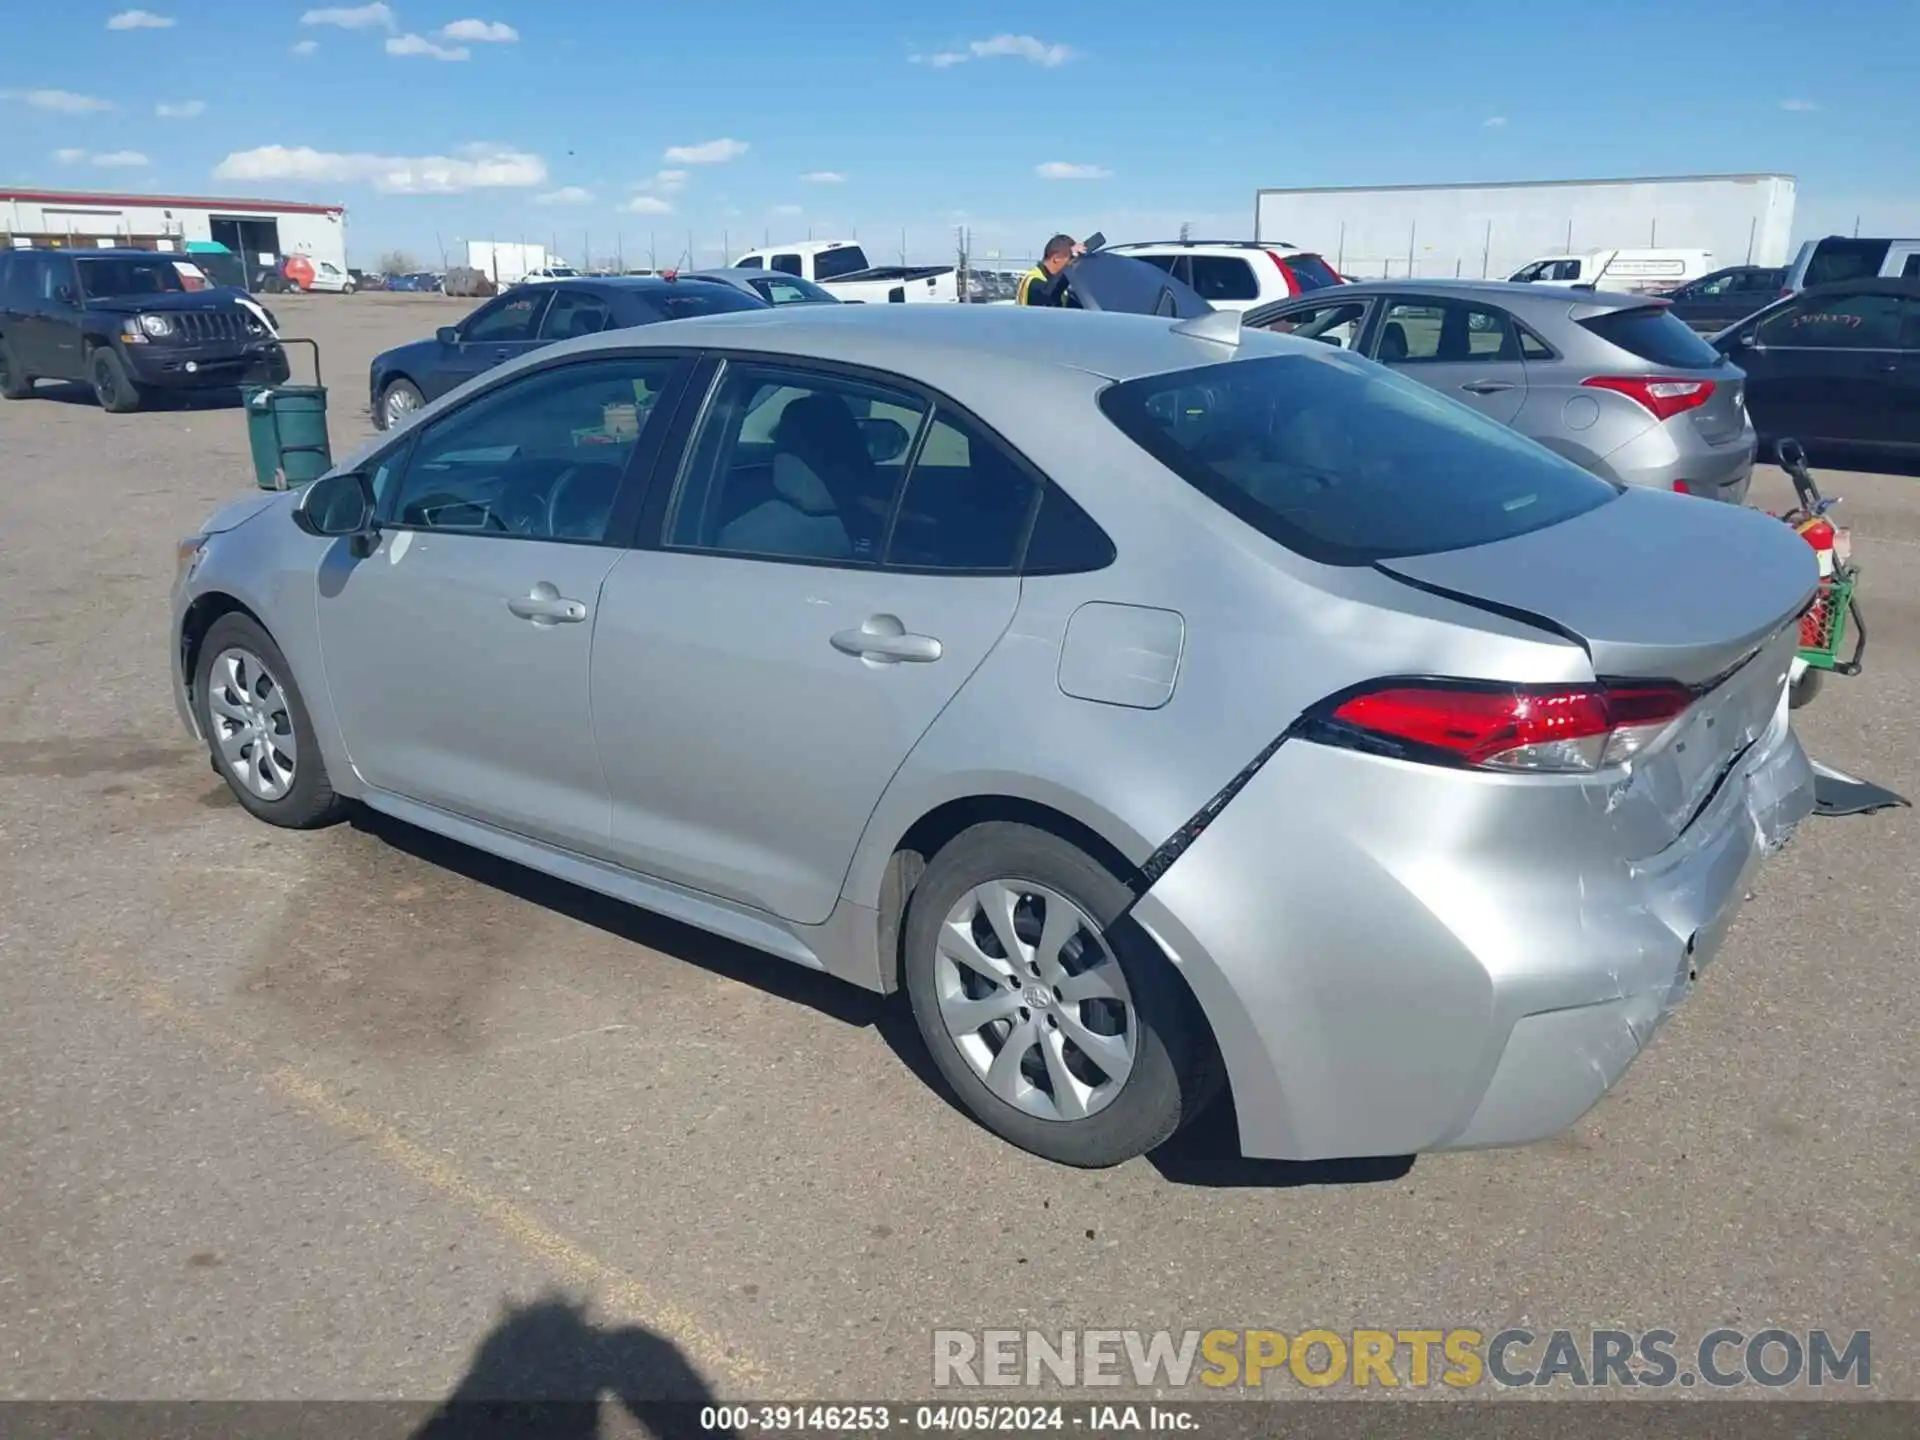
{"type": "Point", "coordinates": [1330, 324]}
{"type": "Point", "coordinates": [508, 319]}
{"type": "Point", "coordinates": [796, 466]}
{"type": "Point", "coordinates": [1840, 322]}
{"type": "Point", "coordinates": [541, 457]}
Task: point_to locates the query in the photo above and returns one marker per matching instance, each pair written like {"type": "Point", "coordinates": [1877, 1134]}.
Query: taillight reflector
{"type": "Point", "coordinates": [1550, 729]}
{"type": "Point", "coordinates": [1662, 395]}
{"type": "Point", "coordinates": [1293, 285]}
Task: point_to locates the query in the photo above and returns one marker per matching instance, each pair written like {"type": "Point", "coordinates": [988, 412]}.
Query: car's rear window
{"type": "Point", "coordinates": [832, 264]}
{"type": "Point", "coordinates": [1656, 336]}
{"type": "Point", "coordinates": [1312, 272]}
{"type": "Point", "coordinates": [1347, 463]}
{"type": "Point", "coordinates": [682, 302]}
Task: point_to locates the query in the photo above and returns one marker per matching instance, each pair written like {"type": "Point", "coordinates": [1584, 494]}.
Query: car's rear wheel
{"type": "Point", "coordinates": [397, 401]}
{"type": "Point", "coordinates": [347, 289]}
{"type": "Point", "coordinates": [257, 727]}
{"type": "Point", "coordinates": [1057, 1021]}
{"type": "Point", "coordinates": [112, 386]}
{"type": "Point", "coordinates": [15, 383]}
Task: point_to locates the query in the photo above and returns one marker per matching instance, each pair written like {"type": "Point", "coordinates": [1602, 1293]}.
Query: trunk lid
{"type": "Point", "coordinates": [1652, 585]}
{"type": "Point", "coordinates": [1665, 587]}
{"type": "Point", "coordinates": [1723, 419]}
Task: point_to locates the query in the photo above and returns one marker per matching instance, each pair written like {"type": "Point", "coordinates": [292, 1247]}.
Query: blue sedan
{"type": "Point", "coordinates": [403, 379]}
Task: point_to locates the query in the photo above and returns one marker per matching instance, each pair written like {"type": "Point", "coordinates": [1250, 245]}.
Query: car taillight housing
{"type": "Point", "coordinates": [1662, 395]}
{"type": "Point", "coordinates": [1293, 284]}
{"type": "Point", "coordinates": [1541, 729]}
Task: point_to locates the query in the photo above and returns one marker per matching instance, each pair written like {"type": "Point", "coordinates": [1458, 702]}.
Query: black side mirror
{"type": "Point", "coordinates": [886, 439]}
{"type": "Point", "coordinates": [448, 335]}
{"type": "Point", "coordinates": [338, 505]}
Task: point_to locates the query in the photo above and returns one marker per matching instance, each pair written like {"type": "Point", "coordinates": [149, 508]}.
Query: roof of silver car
{"type": "Point", "coordinates": [1508, 292]}
{"type": "Point", "coordinates": [908, 338]}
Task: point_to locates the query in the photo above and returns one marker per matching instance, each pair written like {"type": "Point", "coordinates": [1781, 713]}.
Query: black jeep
{"type": "Point", "coordinates": [126, 323]}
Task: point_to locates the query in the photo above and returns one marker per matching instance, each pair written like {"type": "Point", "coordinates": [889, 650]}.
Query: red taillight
{"type": "Point", "coordinates": [1662, 395]}
{"type": "Point", "coordinates": [1293, 284]}
{"type": "Point", "coordinates": [1680, 487]}
{"type": "Point", "coordinates": [1558, 729]}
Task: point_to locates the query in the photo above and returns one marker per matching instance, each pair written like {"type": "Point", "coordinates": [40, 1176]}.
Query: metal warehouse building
{"type": "Point", "coordinates": [263, 231]}
{"type": "Point", "coordinates": [1489, 231]}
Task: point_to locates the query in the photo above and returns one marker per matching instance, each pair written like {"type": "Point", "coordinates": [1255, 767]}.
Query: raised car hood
{"type": "Point", "coordinates": [1651, 584]}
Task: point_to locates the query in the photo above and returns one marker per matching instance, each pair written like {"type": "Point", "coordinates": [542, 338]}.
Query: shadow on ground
{"type": "Point", "coordinates": [73, 393]}
{"type": "Point", "coordinates": [546, 1371]}
{"type": "Point", "coordinates": [1206, 1154]}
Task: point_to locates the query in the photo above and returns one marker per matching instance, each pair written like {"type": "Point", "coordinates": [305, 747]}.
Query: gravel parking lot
{"type": "Point", "coordinates": [303, 1115]}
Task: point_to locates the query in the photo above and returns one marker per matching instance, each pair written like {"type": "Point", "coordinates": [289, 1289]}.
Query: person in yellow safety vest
{"type": "Point", "coordinates": [1046, 283]}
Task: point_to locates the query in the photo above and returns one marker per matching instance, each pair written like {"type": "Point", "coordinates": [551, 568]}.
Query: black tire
{"type": "Point", "coordinates": [347, 289]}
{"type": "Point", "coordinates": [112, 386]}
{"type": "Point", "coordinates": [309, 802]}
{"type": "Point", "coordinates": [402, 386]}
{"type": "Point", "coordinates": [1175, 1071]}
{"type": "Point", "coordinates": [14, 383]}
{"type": "Point", "coordinates": [1803, 691]}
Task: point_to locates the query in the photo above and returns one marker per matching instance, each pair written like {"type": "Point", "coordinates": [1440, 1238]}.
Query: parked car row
{"type": "Point", "coordinates": [781, 575]}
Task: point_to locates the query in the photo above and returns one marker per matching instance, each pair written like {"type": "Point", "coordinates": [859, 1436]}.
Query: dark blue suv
{"type": "Point", "coordinates": [528, 317]}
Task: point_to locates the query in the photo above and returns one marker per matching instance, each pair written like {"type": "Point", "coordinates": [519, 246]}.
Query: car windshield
{"type": "Point", "coordinates": [1347, 463]}
{"type": "Point", "coordinates": [111, 276]}
{"type": "Point", "coordinates": [845, 260]}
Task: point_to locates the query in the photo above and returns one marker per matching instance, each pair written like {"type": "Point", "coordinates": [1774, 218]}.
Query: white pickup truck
{"type": "Point", "coordinates": [841, 267]}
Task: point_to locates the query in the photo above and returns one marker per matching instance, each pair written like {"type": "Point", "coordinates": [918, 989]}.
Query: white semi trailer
{"type": "Point", "coordinates": [1489, 231]}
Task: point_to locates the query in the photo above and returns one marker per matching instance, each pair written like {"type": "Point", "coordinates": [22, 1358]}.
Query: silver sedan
{"type": "Point", "coordinates": [1164, 708]}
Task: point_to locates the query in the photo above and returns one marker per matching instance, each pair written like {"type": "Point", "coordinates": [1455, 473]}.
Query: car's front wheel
{"type": "Point", "coordinates": [258, 729]}
{"type": "Point", "coordinates": [398, 400]}
{"type": "Point", "coordinates": [15, 383]}
{"type": "Point", "coordinates": [112, 386]}
{"type": "Point", "coordinates": [1056, 1020]}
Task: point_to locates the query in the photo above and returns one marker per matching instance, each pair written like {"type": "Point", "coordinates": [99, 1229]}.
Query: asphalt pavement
{"type": "Point", "coordinates": [315, 1115]}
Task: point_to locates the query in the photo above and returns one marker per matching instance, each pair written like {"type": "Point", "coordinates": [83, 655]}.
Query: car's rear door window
{"type": "Point", "coordinates": [1223, 277]}
{"type": "Point", "coordinates": [1654, 334]}
{"type": "Point", "coordinates": [966, 506]}
{"type": "Point", "coordinates": [1428, 331]}
{"type": "Point", "coordinates": [1345, 463]}
{"type": "Point", "coordinates": [574, 313]}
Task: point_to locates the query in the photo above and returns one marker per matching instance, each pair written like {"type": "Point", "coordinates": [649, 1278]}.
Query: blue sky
{"type": "Point", "coordinates": [593, 121]}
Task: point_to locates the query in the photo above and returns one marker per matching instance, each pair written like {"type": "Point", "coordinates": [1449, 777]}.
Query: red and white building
{"type": "Point", "coordinates": [263, 231]}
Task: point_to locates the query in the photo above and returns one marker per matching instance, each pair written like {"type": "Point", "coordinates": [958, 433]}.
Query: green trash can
{"type": "Point", "coordinates": [287, 429]}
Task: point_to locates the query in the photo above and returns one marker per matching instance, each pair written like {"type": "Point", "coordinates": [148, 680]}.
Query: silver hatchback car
{"type": "Point", "coordinates": [1161, 706]}
{"type": "Point", "coordinates": [1613, 382]}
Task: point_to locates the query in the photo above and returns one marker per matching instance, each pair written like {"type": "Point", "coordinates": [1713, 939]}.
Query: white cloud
{"type": "Point", "coordinates": [1064, 170]}
{"type": "Point", "coordinates": [141, 20]}
{"type": "Point", "coordinates": [481, 32]}
{"type": "Point", "coordinates": [65, 102]}
{"type": "Point", "coordinates": [306, 47]}
{"type": "Point", "coordinates": [711, 152]}
{"type": "Point", "coordinates": [787, 209]}
{"type": "Point", "coordinates": [475, 167]}
{"type": "Point", "coordinates": [1495, 122]}
{"type": "Point", "coordinates": [359, 17]}
{"type": "Point", "coordinates": [184, 110]}
{"type": "Point", "coordinates": [1799, 106]}
{"type": "Point", "coordinates": [1019, 47]}
{"type": "Point", "coordinates": [667, 181]}
{"type": "Point", "coordinates": [565, 195]}
{"type": "Point", "coordinates": [69, 157]}
{"type": "Point", "coordinates": [647, 205]}
{"type": "Point", "coordinates": [122, 159]}
{"type": "Point", "coordinates": [420, 45]}
{"type": "Point", "coordinates": [824, 177]}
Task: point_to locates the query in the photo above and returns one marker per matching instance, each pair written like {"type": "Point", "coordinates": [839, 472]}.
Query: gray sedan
{"type": "Point", "coordinates": [1615, 383]}
{"type": "Point", "coordinates": [1164, 707]}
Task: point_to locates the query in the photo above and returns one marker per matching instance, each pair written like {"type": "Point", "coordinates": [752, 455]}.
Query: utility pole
{"type": "Point", "coordinates": [726, 249]}
{"type": "Point", "coordinates": [903, 245]}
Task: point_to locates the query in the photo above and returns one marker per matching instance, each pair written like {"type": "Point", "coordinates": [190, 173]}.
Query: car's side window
{"type": "Point", "coordinates": [1330, 324]}
{"type": "Point", "coordinates": [540, 457]}
{"type": "Point", "coordinates": [967, 503]}
{"type": "Point", "coordinates": [788, 263]}
{"type": "Point", "coordinates": [1445, 332]}
{"type": "Point", "coordinates": [752, 262]}
{"type": "Point", "coordinates": [794, 465]}
{"type": "Point", "coordinates": [1532, 347]}
{"type": "Point", "coordinates": [510, 318]}
{"type": "Point", "coordinates": [1840, 322]}
{"type": "Point", "coordinates": [1222, 277]}
{"type": "Point", "coordinates": [573, 313]}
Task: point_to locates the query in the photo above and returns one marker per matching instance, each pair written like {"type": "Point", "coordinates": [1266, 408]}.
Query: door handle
{"type": "Point", "coordinates": [883, 640]}
{"type": "Point", "coordinates": [547, 606]}
{"type": "Point", "coordinates": [1486, 387]}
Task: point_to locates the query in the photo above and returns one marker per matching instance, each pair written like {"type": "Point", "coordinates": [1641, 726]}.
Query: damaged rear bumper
{"type": "Point", "coordinates": [1392, 962]}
